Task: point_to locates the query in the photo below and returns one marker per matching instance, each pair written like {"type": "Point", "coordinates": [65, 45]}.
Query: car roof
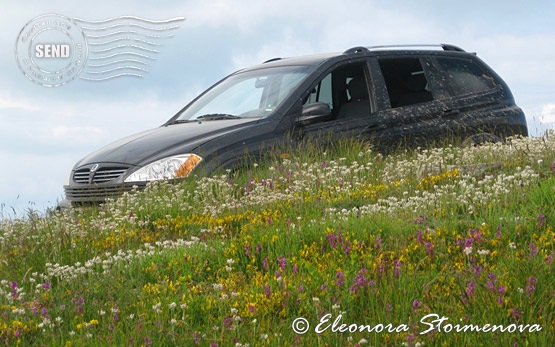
{"type": "Point", "coordinates": [359, 51]}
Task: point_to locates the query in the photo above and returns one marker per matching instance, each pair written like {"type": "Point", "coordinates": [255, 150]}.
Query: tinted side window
{"type": "Point", "coordinates": [405, 80]}
{"type": "Point", "coordinates": [345, 90]}
{"type": "Point", "coordinates": [322, 92]}
{"type": "Point", "coordinates": [463, 76]}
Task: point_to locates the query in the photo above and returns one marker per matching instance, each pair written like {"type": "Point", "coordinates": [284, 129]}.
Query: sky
{"type": "Point", "coordinates": [44, 131]}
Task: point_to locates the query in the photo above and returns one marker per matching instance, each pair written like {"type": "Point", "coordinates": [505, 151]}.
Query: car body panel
{"type": "Point", "coordinates": [389, 124]}
{"type": "Point", "coordinates": [164, 141]}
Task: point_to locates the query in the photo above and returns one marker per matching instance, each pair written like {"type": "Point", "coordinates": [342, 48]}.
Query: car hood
{"type": "Point", "coordinates": [148, 146]}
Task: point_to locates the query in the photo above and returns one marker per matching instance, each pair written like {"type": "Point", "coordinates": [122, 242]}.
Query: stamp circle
{"type": "Point", "coordinates": [51, 50]}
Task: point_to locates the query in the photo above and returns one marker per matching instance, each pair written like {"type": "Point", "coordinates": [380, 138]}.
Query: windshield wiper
{"type": "Point", "coordinates": [180, 121]}
{"type": "Point", "coordinates": [217, 116]}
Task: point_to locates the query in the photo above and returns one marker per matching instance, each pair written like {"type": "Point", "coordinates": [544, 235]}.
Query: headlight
{"type": "Point", "coordinates": [173, 167]}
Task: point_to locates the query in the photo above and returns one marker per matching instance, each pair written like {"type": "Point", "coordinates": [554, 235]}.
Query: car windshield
{"type": "Point", "coordinates": [249, 94]}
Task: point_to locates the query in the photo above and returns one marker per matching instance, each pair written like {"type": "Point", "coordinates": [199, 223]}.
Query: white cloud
{"type": "Point", "coordinates": [75, 133]}
{"type": "Point", "coordinates": [7, 103]}
{"type": "Point", "coordinates": [548, 113]}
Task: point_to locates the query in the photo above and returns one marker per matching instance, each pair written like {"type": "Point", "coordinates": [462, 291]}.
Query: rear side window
{"type": "Point", "coordinates": [406, 81]}
{"type": "Point", "coordinates": [463, 76]}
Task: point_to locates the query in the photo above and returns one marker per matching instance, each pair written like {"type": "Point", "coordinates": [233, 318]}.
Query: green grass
{"type": "Point", "coordinates": [385, 245]}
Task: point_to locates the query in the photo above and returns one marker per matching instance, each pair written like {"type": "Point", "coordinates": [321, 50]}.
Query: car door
{"type": "Point", "coordinates": [412, 104]}
{"type": "Point", "coordinates": [348, 91]}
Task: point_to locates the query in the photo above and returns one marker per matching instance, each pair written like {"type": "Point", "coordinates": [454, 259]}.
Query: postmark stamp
{"type": "Point", "coordinates": [51, 50]}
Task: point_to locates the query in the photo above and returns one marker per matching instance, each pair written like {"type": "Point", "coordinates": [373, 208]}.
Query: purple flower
{"type": "Point", "coordinates": [347, 247]}
{"type": "Point", "coordinates": [397, 268]}
{"type": "Point", "coordinates": [360, 280]}
{"type": "Point", "coordinates": [228, 322]}
{"type": "Point", "coordinates": [419, 237]}
{"type": "Point", "coordinates": [515, 314]}
{"type": "Point", "coordinates": [416, 305]}
{"type": "Point", "coordinates": [533, 250]}
{"type": "Point", "coordinates": [490, 284]}
{"type": "Point", "coordinates": [335, 239]}
{"type": "Point", "coordinates": [549, 259]}
{"type": "Point", "coordinates": [378, 243]}
{"type": "Point", "coordinates": [541, 220]}
{"type": "Point", "coordinates": [282, 262]}
{"type": "Point", "coordinates": [340, 278]}
{"type": "Point", "coordinates": [265, 263]}
{"type": "Point", "coordinates": [531, 287]}
{"type": "Point", "coordinates": [470, 288]}
{"type": "Point", "coordinates": [429, 248]}
{"type": "Point", "coordinates": [267, 291]}
{"type": "Point", "coordinates": [468, 242]}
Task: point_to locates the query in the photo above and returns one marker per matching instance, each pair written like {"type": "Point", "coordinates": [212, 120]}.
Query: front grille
{"type": "Point", "coordinates": [107, 174]}
{"type": "Point", "coordinates": [81, 176]}
{"type": "Point", "coordinates": [90, 193]}
{"type": "Point", "coordinates": [101, 175]}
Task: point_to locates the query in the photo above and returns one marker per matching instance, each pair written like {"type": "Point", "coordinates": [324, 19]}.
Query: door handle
{"type": "Point", "coordinates": [451, 112]}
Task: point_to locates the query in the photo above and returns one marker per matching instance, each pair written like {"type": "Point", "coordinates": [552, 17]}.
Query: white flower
{"type": "Point", "coordinates": [467, 250]}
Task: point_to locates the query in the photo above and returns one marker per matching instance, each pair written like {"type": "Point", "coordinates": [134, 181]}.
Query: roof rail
{"type": "Point", "coordinates": [444, 46]}
{"type": "Point", "coordinates": [449, 47]}
{"type": "Point", "coordinates": [358, 49]}
{"type": "Point", "coordinates": [270, 60]}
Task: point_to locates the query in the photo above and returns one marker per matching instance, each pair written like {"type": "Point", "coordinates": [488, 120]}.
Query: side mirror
{"type": "Point", "coordinates": [314, 113]}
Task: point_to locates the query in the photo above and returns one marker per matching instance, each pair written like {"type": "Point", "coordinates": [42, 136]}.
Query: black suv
{"type": "Point", "coordinates": [391, 95]}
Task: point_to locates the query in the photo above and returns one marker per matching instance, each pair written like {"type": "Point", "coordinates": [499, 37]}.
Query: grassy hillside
{"type": "Point", "coordinates": [437, 247]}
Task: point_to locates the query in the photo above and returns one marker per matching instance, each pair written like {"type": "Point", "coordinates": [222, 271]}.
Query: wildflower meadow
{"type": "Point", "coordinates": [450, 246]}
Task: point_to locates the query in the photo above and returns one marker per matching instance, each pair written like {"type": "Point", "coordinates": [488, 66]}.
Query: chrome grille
{"type": "Point", "coordinates": [107, 174]}
{"type": "Point", "coordinates": [101, 175]}
{"type": "Point", "coordinates": [97, 193]}
{"type": "Point", "coordinates": [81, 176]}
